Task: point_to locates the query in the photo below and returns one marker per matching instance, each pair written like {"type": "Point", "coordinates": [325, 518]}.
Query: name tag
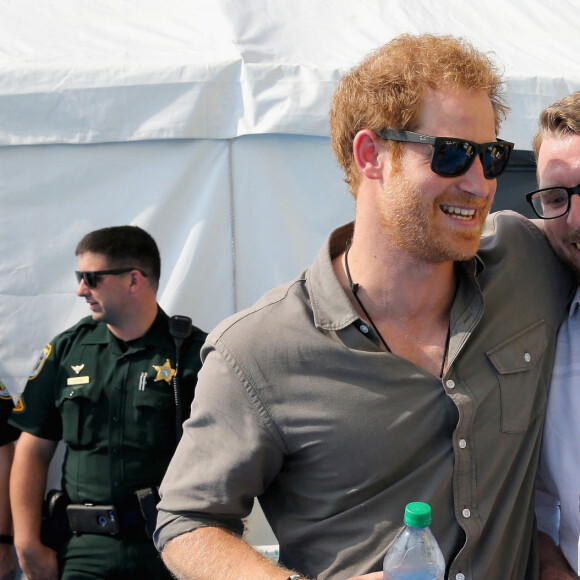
{"type": "Point", "coordinates": [77, 381]}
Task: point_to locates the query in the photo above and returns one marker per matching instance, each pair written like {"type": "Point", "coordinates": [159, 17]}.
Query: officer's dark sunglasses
{"type": "Point", "coordinates": [550, 203]}
{"type": "Point", "coordinates": [453, 157]}
{"type": "Point", "coordinates": [92, 279]}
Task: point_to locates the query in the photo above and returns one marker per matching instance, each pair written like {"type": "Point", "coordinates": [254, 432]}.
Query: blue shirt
{"type": "Point", "coordinates": [558, 482]}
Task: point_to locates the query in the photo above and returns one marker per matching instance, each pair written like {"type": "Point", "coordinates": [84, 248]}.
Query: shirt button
{"type": "Point", "coordinates": [460, 576]}
{"type": "Point", "coordinates": [364, 328]}
{"type": "Point", "coordinates": [115, 419]}
{"type": "Point", "coordinates": [527, 357]}
{"type": "Point", "coordinates": [450, 384]}
{"type": "Point", "coordinates": [462, 443]}
{"type": "Point", "coordinates": [466, 513]}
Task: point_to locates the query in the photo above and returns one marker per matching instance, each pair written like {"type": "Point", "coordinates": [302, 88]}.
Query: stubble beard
{"type": "Point", "coordinates": [412, 224]}
{"type": "Point", "coordinates": [561, 247]}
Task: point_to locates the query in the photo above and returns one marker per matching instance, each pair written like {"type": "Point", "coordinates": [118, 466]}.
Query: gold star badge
{"type": "Point", "coordinates": [165, 372]}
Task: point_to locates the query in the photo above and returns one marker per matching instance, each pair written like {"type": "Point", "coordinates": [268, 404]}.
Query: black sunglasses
{"type": "Point", "coordinates": [453, 157]}
{"type": "Point", "coordinates": [92, 279]}
{"type": "Point", "coordinates": [550, 203]}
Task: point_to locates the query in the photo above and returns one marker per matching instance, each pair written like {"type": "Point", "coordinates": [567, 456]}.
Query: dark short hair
{"type": "Point", "coordinates": [125, 246]}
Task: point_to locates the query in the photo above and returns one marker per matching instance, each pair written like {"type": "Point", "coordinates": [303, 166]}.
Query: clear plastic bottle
{"type": "Point", "coordinates": [415, 553]}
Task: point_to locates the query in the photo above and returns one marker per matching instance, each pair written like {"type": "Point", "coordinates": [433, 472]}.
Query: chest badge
{"type": "Point", "coordinates": [164, 372]}
{"type": "Point", "coordinates": [77, 368]}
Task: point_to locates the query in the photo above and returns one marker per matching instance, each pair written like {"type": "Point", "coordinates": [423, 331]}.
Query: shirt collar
{"type": "Point", "coordinates": [575, 304]}
{"type": "Point", "coordinates": [331, 306]}
{"type": "Point", "coordinates": [156, 333]}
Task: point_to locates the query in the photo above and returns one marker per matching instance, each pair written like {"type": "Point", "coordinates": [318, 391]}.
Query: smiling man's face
{"type": "Point", "coordinates": [437, 218]}
{"type": "Point", "coordinates": [559, 165]}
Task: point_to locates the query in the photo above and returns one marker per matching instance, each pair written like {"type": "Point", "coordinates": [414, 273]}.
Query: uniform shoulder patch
{"type": "Point", "coordinates": [40, 363]}
{"type": "Point", "coordinates": [4, 394]}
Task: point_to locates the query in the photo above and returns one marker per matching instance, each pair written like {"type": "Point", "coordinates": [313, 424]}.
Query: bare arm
{"type": "Point", "coordinates": [553, 564]}
{"type": "Point", "coordinates": [27, 486]}
{"type": "Point", "coordinates": [7, 563]}
{"type": "Point", "coordinates": [210, 553]}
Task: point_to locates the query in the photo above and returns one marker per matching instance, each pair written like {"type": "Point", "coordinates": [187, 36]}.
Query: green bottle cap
{"type": "Point", "coordinates": [418, 514]}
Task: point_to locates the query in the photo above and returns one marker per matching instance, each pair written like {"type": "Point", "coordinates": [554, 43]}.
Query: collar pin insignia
{"type": "Point", "coordinates": [77, 368]}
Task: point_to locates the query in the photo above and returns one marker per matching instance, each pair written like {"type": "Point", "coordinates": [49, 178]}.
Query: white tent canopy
{"type": "Point", "coordinates": [206, 124]}
{"type": "Point", "coordinates": [79, 71]}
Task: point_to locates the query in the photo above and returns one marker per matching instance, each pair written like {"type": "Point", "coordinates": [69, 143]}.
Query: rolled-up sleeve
{"type": "Point", "coordinates": [226, 457]}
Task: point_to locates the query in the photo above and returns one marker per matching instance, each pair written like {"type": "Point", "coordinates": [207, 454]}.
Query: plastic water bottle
{"type": "Point", "coordinates": [415, 553]}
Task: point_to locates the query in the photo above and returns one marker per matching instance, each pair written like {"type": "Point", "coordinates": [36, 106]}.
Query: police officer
{"type": "Point", "coordinates": [105, 387]}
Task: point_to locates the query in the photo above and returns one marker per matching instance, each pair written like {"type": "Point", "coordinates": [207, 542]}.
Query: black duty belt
{"type": "Point", "coordinates": [136, 518]}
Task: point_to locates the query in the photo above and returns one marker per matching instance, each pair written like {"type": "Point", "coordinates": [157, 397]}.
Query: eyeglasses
{"type": "Point", "coordinates": [453, 157]}
{"type": "Point", "coordinates": [92, 279]}
{"type": "Point", "coordinates": [549, 203]}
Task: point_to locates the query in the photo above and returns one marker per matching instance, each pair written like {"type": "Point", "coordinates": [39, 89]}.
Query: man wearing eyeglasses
{"type": "Point", "coordinates": [105, 388]}
{"type": "Point", "coordinates": [406, 364]}
{"type": "Point", "coordinates": [557, 150]}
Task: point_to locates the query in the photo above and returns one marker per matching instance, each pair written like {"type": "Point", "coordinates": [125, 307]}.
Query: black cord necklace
{"type": "Point", "coordinates": [354, 289]}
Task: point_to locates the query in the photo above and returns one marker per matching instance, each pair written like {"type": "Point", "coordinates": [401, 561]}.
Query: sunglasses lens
{"type": "Point", "coordinates": [495, 159]}
{"type": "Point", "coordinates": [91, 279]}
{"type": "Point", "coordinates": [452, 157]}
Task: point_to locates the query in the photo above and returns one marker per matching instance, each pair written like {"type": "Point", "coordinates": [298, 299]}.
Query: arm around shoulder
{"type": "Point", "coordinates": [553, 564]}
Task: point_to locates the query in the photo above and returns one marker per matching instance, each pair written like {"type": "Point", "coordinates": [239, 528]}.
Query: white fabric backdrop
{"type": "Point", "coordinates": [213, 216]}
{"type": "Point", "coordinates": [85, 71]}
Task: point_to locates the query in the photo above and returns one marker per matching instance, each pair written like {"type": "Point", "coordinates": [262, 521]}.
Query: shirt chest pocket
{"type": "Point", "coordinates": [154, 416]}
{"type": "Point", "coordinates": [523, 388]}
{"type": "Point", "coordinates": [83, 414]}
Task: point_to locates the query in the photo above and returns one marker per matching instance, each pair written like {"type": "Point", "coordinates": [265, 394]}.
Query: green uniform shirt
{"type": "Point", "coordinates": [112, 404]}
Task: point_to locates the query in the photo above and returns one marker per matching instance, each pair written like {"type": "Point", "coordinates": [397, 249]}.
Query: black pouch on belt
{"type": "Point", "coordinates": [148, 499]}
{"type": "Point", "coordinates": [54, 529]}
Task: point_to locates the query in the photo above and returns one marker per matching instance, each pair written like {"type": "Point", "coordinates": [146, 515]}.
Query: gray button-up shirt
{"type": "Point", "coordinates": [297, 405]}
